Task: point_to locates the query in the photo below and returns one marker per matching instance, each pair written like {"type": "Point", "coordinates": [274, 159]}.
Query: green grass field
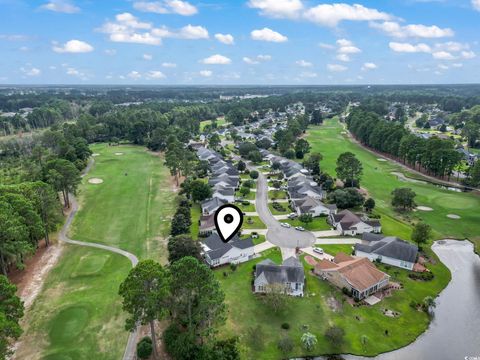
{"type": "Point", "coordinates": [317, 224]}
{"type": "Point", "coordinates": [277, 194]}
{"type": "Point", "coordinates": [334, 249]}
{"type": "Point", "coordinates": [277, 212]}
{"type": "Point", "coordinates": [220, 122]}
{"type": "Point", "coordinates": [256, 223]}
{"type": "Point", "coordinates": [378, 180]}
{"type": "Point", "coordinates": [315, 312]}
{"type": "Point", "coordinates": [78, 313]}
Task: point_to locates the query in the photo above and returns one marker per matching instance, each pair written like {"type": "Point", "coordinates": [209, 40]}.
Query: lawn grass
{"type": "Point", "coordinates": [196, 213]}
{"type": "Point", "coordinates": [277, 194]}
{"type": "Point", "coordinates": [246, 208]}
{"type": "Point", "coordinates": [258, 240]}
{"type": "Point", "coordinates": [312, 313]}
{"type": "Point", "coordinates": [378, 180]}
{"type": "Point", "coordinates": [250, 196]}
{"type": "Point", "coordinates": [78, 314]}
{"type": "Point", "coordinates": [334, 249]}
{"type": "Point", "coordinates": [220, 122]}
{"type": "Point", "coordinates": [317, 224]}
{"type": "Point", "coordinates": [276, 212]}
{"type": "Point", "coordinates": [256, 223]}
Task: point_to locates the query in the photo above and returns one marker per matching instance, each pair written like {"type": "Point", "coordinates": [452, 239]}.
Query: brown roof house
{"type": "Point", "coordinates": [358, 275]}
{"type": "Point", "coordinates": [349, 223]}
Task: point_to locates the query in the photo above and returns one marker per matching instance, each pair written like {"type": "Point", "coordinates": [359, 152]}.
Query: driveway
{"type": "Point", "coordinates": [276, 234]}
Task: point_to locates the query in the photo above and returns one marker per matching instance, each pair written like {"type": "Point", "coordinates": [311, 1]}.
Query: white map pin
{"type": "Point", "coordinates": [228, 220]}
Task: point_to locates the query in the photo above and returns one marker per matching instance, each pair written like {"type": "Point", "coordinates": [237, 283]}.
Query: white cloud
{"type": "Point", "coordinates": [308, 74]}
{"type": "Point", "coordinates": [110, 52]}
{"type": "Point", "coordinates": [264, 57]}
{"type": "Point", "coordinates": [326, 46]}
{"type": "Point", "coordinates": [303, 63]}
{"type": "Point", "coordinates": [61, 6]}
{"type": "Point", "coordinates": [14, 37]}
{"type": "Point", "coordinates": [169, 65]}
{"type": "Point", "coordinates": [457, 65]}
{"type": "Point", "coordinates": [443, 55]}
{"type": "Point", "coordinates": [332, 14]}
{"type": "Point", "coordinates": [345, 48]}
{"type": "Point", "coordinates": [468, 54]}
{"type": "Point", "coordinates": [71, 71]}
{"type": "Point", "coordinates": [476, 4]}
{"type": "Point", "coordinates": [278, 8]}
{"type": "Point", "coordinates": [127, 28]}
{"type": "Point", "coordinates": [206, 73]}
{"type": "Point", "coordinates": [267, 34]}
{"type": "Point", "coordinates": [336, 68]}
{"type": "Point", "coordinates": [250, 61]}
{"type": "Point", "coordinates": [134, 75]}
{"type": "Point", "coordinates": [451, 46]}
{"type": "Point", "coordinates": [409, 48]}
{"type": "Point", "coordinates": [33, 71]}
{"type": "Point", "coordinates": [216, 59]}
{"type": "Point", "coordinates": [442, 66]}
{"type": "Point", "coordinates": [155, 74]}
{"type": "Point", "coordinates": [394, 29]}
{"type": "Point", "coordinates": [166, 7]}
{"type": "Point", "coordinates": [147, 57]}
{"type": "Point", "coordinates": [225, 38]}
{"type": "Point", "coordinates": [256, 60]}
{"type": "Point", "coordinates": [73, 47]}
{"type": "Point", "coordinates": [369, 66]}
{"type": "Point", "coordinates": [343, 57]}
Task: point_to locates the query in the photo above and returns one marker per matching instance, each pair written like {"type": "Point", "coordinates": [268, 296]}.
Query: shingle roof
{"type": "Point", "coordinates": [391, 247]}
{"type": "Point", "coordinates": [291, 271]}
{"type": "Point", "coordinates": [217, 248]}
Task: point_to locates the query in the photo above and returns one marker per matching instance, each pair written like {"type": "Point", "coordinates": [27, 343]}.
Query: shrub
{"type": "Point", "coordinates": [254, 174]}
{"type": "Point", "coordinates": [285, 326]}
{"type": "Point", "coordinates": [233, 266]}
{"type": "Point", "coordinates": [424, 276]}
{"type": "Point", "coordinates": [285, 345]}
{"type": "Point", "coordinates": [144, 348]}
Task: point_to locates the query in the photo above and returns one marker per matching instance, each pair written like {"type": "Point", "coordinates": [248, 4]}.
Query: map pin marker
{"type": "Point", "coordinates": [228, 220]}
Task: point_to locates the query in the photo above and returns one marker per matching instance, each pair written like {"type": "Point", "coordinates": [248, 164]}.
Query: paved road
{"type": "Point", "coordinates": [129, 353]}
{"type": "Point", "coordinates": [276, 234]}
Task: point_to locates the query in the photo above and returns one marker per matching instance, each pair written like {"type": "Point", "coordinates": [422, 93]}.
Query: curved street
{"type": "Point", "coordinates": [277, 234]}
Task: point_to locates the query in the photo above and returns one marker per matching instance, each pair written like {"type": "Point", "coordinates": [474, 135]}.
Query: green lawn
{"type": "Point", "coordinates": [314, 314]}
{"type": "Point", "coordinates": [78, 313]}
{"type": "Point", "coordinates": [196, 213]}
{"type": "Point", "coordinates": [260, 238]}
{"type": "Point", "coordinates": [246, 208]}
{"type": "Point", "coordinates": [220, 122]}
{"type": "Point", "coordinates": [334, 249]}
{"type": "Point", "coordinates": [277, 194]}
{"type": "Point", "coordinates": [251, 195]}
{"type": "Point", "coordinates": [256, 223]}
{"type": "Point", "coordinates": [318, 224]}
{"type": "Point", "coordinates": [378, 180]}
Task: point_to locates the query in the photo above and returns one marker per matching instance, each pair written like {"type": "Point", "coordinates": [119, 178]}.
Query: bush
{"type": "Point", "coordinates": [254, 174]}
{"type": "Point", "coordinates": [179, 344]}
{"type": "Point", "coordinates": [285, 345]}
{"type": "Point", "coordinates": [285, 326]}
{"type": "Point", "coordinates": [144, 348]}
{"type": "Point", "coordinates": [424, 276]}
{"type": "Point", "coordinates": [233, 266]}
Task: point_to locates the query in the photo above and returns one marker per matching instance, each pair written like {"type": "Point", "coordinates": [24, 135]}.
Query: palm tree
{"type": "Point", "coordinates": [309, 341]}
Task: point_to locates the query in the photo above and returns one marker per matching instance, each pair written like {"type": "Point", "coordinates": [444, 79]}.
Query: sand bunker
{"type": "Point", "coordinates": [424, 208]}
{"type": "Point", "coordinates": [402, 177]}
{"type": "Point", "coordinates": [453, 216]}
{"type": "Point", "coordinates": [119, 153]}
{"type": "Point", "coordinates": [380, 159]}
{"type": "Point", "coordinates": [95, 181]}
{"type": "Point", "coordinates": [95, 154]}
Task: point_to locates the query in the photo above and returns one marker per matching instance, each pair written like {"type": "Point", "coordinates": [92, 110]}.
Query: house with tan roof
{"type": "Point", "coordinates": [349, 223]}
{"type": "Point", "coordinates": [358, 275]}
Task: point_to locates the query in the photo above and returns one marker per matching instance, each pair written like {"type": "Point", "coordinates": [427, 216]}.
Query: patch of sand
{"type": "Point", "coordinates": [381, 159]}
{"type": "Point", "coordinates": [95, 181]}
{"type": "Point", "coordinates": [118, 153]}
{"type": "Point", "coordinates": [95, 154]}
{"type": "Point", "coordinates": [453, 216]}
{"type": "Point", "coordinates": [424, 208]}
{"type": "Point", "coordinates": [402, 177]}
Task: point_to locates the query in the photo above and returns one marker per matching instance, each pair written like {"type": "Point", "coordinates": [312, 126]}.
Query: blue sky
{"type": "Point", "coordinates": [239, 42]}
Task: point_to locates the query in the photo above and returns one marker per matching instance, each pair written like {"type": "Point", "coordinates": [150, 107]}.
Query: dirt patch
{"type": "Point", "coordinates": [333, 304]}
{"type": "Point", "coordinates": [382, 160]}
{"type": "Point", "coordinates": [424, 208]}
{"type": "Point", "coordinates": [30, 280]}
{"type": "Point", "coordinates": [95, 181]}
{"type": "Point", "coordinates": [119, 153]}
{"type": "Point", "coordinates": [402, 177]}
{"type": "Point", "coordinates": [453, 216]}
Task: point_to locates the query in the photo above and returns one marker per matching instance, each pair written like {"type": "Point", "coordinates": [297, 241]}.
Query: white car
{"type": "Point", "coordinates": [299, 228]}
{"type": "Point", "coordinates": [292, 215]}
{"type": "Point", "coordinates": [286, 225]}
{"type": "Point", "coordinates": [318, 250]}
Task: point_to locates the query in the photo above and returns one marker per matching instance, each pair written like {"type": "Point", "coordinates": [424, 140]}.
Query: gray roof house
{"type": "Point", "coordinates": [217, 253]}
{"type": "Point", "coordinates": [349, 223]}
{"type": "Point", "coordinates": [309, 205]}
{"type": "Point", "coordinates": [290, 276]}
{"type": "Point", "coordinates": [211, 205]}
{"type": "Point", "coordinates": [388, 250]}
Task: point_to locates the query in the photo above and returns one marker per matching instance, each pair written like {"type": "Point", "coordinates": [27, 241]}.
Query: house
{"type": "Point", "coordinates": [436, 123]}
{"type": "Point", "coordinates": [310, 205]}
{"type": "Point", "coordinates": [224, 193]}
{"type": "Point", "coordinates": [388, 250]}
{"type": "Point", "coordinates": [207, 225]}
{"type": "Point", "coordinates": [302, 190]}
{"type": "Point", "coordinates": [358, 275]}
{"type": "Point", "coordinates": [217, 253]}
{"type": "Point", "coordinates": [211, 205]}
{"type": "Point", "coordinates": [290, 276]}
{"type": "Point", "coordinates": [349, 223]}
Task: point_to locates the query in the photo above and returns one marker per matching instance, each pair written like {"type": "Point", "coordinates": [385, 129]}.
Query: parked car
{"type": "Point", "coordinates": [299, 228]}
{"type": "Point", "coordinates": [318, 250]}
{"type": "Point", "coordinates": [292, 215]}
{"type": "Point", "coordinates": [286, 225]}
